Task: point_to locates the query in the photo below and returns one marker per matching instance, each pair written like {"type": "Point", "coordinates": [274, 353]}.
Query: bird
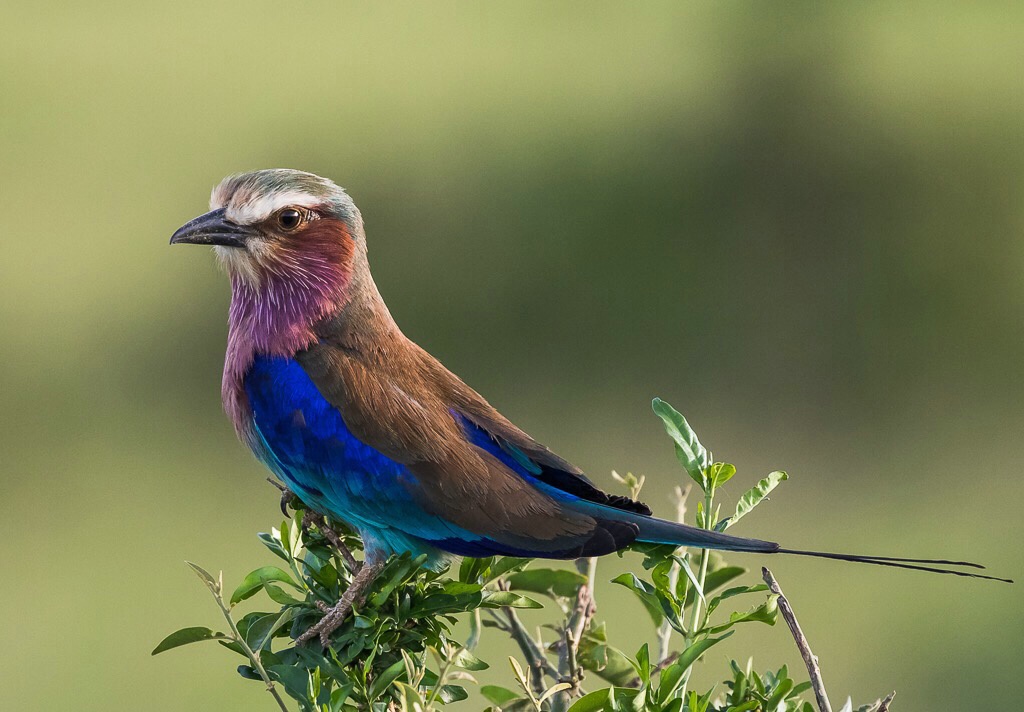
{"type": "Point", "coordinates": [363, 425]}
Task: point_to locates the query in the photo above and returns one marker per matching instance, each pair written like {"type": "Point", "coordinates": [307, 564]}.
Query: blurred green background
{"type": "Point", "coordinates": [799, 223]}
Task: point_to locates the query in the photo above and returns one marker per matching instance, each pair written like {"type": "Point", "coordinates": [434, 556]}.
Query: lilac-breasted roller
{"type": "Point", "coordinates": [364, 425]}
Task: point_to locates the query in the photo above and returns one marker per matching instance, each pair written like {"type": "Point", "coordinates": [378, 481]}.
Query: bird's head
{"type": "Point", "coordinates": [278, 224]}
{"type": "Point", "coordinates": [292, 243]}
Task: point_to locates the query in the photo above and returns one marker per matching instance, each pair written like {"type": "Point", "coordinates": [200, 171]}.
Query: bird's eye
{"type": "Point", "coordinates": [289, 219]}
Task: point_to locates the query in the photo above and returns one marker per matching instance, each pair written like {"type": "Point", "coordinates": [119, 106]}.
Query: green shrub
{"type": "Point", "coordinates": [397, 651]}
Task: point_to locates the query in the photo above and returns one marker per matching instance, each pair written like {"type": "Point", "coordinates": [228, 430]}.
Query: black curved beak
{"type": "Point", "coordinates": [213, 228]}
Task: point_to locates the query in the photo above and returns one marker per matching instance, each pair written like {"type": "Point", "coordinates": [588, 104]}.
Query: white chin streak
{"type": "Point", "coordinates": [241, 262]}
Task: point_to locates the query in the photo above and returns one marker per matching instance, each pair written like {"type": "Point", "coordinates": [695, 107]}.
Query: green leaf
{"type": "Point", "coordinates": [767, 612]}
{"type": "Point", "coordinates": [471, 570]}
{"type": "Point", "coordinates": [186, 636]}
{"type": "Point", "coordinates": [756, 494]}
{"type": "Point", "coordinates": [692, 455]}
{"type": "Point", "coordinates": [273, 542]}
{"type": "Point", "coordinates": [212, 583]}
{"type": "Point", "coordinates": [604, 700]}
{"type": "Point", "coordinates": [605, 661]}
{"type": "Point", "coordinates": [457, 588]}
{"type": "Point", "coordinates": [509, 599]}
{"type": "Point", "coordinates": [654, 554]}
{"type": "Point", "coordinates": [675, 705]}
{"type": "Point", "coordinates": [669, 681]}
{"type": "Point", "coordinates": [643, 664]}
{"type": "Point", "coordinates": [476, 629]}
{"type": "Point", "coordinates": [257, 579]}
{"type": "Point", "coordinates": [277, 595]}
{"type": "Point", "coordinates": [452, 693]}
{"type": "Point", "coordinates": [595, 701]}
{"type": "Point", "coordinates": [660, 576]}
{"type": "Point", "coordinates": [693, 653]}
{"type": "Point", "coordinates": [521, 676]}
{"type": "Point", "coordinates": [780, 693]}
{"type": "Point", "coordinates": [262, 629]}
{"type": "Point", "coordinates": [550, 582]}
{"type": "Point", "coordinates": [521, 705]}
{"type": "Point", "coordinates": [410, 698]}
{"type": "Point", "coordinates": [339, 696]}
{"type": "Point", "coordinates": [294, 679]}
{"type": "Point", "coordinates": [720, 473]}
{"type": "Point", "coordinates": [800, 689]}
{"type": "Point", "coordinates": [498, 695]}
{"type": "Point", "coordinates": [508, 565]}
{"type": "Point", "coordinates": [234, 647]}
{"type": "Point", "coordinates": [467, 661]}
{"type": "Point", "coordinates": [554, 690]}
{"type": "Point", "coordinates": [645, 592]}
{"type": "Point", "coordinates": [695, 590]}
{"type": "Point", "coordinates": [384, 679]}
{"type": "Point", "coordinates": [731, 592]}
{"type": "Point", "coordinates": [248, 672]}
{"type": "Point", "coordinates": [294, 531]}
{"type": "Point", "coordinates": [715, 579]}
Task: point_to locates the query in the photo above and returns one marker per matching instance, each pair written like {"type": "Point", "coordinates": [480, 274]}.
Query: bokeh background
{"type": "Point", "coordinates": [801, 224]}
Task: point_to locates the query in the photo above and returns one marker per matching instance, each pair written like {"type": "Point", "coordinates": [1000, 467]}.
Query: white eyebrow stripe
{"type": "Point", "coordinates": [256, 210]}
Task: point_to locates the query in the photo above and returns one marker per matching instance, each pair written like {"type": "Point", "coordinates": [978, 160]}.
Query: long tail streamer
{"type": "Point", "coordinates": [899, 563]}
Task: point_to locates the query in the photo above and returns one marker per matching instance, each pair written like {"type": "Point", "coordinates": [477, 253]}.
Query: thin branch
{"type": "Point", "coordinates": [576, 625]}
{"type": "Point", "coordinates": [579, 620]}
{"type": "Point", "coordinates": [511, 624]}
{"type": "Point", "coordinates": [884, 706]}
{"type": "Point", "coordinates": [320, 521]}
{"type": "Point", "coordinates": [249, 653]}
{"type": "Point", "coordinates": [533, 653]}
{"type": "Point", "coordinates": [705, 557]}
{"type": "Point", "coordinates": [586, 603]}
{"type": "Point", "coordinates": [535, 657]}
{"type": "Point", "coordinates": [810, 659]}
{"type": "Point", "coordinates": [572, 646]}
{"type": "Point", "coordinates": [665, 629]}
{"type": "Point", "coordinates": [449, 660]}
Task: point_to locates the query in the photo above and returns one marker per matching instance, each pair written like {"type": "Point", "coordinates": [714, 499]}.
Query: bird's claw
{"type": "Point", "coordinates": [333, 618]}
{"type": "Point", "coordinates": [287, 496]}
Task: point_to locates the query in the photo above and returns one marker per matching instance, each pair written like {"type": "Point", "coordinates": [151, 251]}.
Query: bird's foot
{"type": "Point", "coordinates": [310, 518]}
{"type": "Point", "coordinates": [335, 616]}
{"type": "Point", "coordinates": [288, 498]}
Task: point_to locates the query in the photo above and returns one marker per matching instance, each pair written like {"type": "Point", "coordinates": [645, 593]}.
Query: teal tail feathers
{"type": "Point", "coordinates": [660, 531]}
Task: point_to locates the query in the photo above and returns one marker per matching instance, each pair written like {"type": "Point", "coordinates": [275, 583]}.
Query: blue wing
{"type": "Point", "coordinates": [308, 444]}
{"type": "Point", "coordinates": [311, 449]}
